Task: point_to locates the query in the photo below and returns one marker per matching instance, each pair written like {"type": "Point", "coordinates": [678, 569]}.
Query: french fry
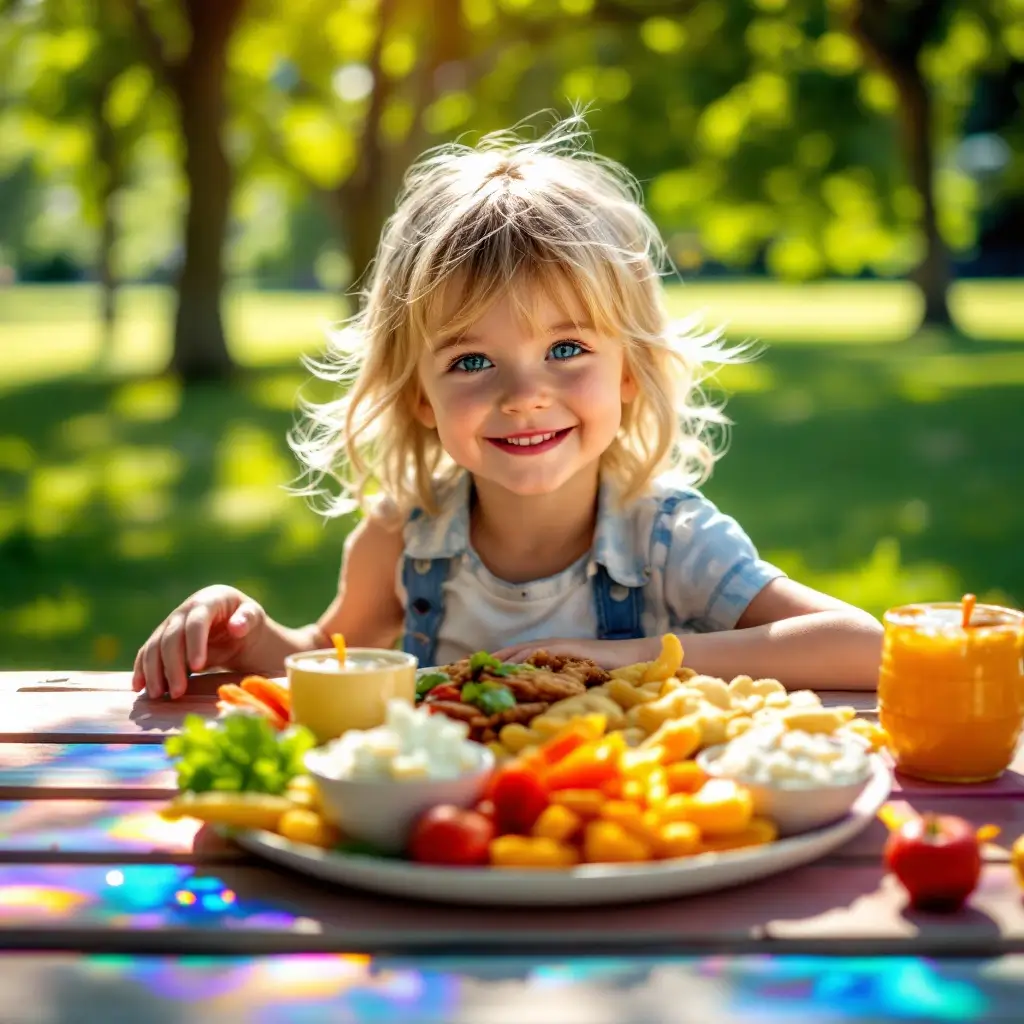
{"type": "Point", "coordinates": [239, 810]}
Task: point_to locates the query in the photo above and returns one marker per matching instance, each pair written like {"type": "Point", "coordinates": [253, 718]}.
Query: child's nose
{"type": "Point", "coordinates": [524, 391]}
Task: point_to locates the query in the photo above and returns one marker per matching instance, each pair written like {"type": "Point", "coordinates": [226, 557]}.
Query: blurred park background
{"type": "Point", "coordinates": [189, 189]}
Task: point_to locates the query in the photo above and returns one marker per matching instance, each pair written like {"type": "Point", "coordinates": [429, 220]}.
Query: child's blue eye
{"type": "Point", "coordinates": [473, 363]}
{"type": "Point", "coordinates": [563, 350]}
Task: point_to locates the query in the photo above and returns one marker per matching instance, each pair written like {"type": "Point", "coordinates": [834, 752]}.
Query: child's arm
{"type": "Point", "coordinates": [789, 632]}
{"type": "Point", "coordinates": [221, 627]}
{"type": "Point", "coordinates": [366, 610]}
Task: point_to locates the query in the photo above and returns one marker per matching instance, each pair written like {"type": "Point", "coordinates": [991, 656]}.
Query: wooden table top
{"type": "Point", "coordinates": [87, 864]}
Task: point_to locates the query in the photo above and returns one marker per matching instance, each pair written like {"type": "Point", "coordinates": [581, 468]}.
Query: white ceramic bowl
{"type": "Point", "coordinates": [794, 806]}
{"type": "Point", "coordinates": [383, 812]}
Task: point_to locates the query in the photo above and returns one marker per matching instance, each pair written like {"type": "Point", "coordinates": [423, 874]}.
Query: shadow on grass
{"type": "Point", "coordinates": [878, 472]}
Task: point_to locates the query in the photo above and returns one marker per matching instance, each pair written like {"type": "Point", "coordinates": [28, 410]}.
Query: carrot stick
{"type": "Point", "coordinates": [232, 694]}
{"type": "Point", "coordinates": [272, 694]}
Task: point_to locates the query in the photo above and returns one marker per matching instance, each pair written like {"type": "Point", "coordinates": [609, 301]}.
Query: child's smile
{"type": "Point", "coordinates": [526, 406]}
{"type": "Point", "coordinates": [531, 442]}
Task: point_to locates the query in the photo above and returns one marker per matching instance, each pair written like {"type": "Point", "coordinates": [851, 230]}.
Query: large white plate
{"type": "Point", "coordinates": [587, 885]}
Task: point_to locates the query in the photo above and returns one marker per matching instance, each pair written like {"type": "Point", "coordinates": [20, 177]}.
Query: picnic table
{"type": "Point", "coordinates": [88, 866]}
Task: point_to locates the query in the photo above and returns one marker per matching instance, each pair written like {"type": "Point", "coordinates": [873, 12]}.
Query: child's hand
{"type": "Point", "coordinates": [607, 653]}
{"type": "Point", "coordinates": [212, 629]}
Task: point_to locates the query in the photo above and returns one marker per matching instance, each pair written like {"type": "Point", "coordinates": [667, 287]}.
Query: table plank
{"type": "Point", "coordinates": [92, 829]}
{"type": "Point", "coordinates": [860, 904]}
{"type": "Point", "coordinates": [37, 987]}
{"type": "Point", "coordinates": [272, 910]}
{"type": "Point", "coordinates": [100, 717]}
{"type": "Point", "coordinates": [57, 681]}
{"type": "Point", "coordinates": [103, 770]}
{"type": "Point", "coordinates": [828, 907]}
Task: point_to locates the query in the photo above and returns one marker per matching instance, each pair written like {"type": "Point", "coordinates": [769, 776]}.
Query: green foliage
{"type": "Point", "coordinates": [763, 132]}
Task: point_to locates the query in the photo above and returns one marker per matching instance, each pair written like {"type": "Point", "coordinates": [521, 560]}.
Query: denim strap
{"type": "Point", "coordinates": [619, 608]}
{"type": "Point", "coordinates": [424, 606]}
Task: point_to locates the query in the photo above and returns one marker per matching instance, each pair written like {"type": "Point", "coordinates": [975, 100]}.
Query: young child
{"type": "Point", "coordinates": [531, 423]}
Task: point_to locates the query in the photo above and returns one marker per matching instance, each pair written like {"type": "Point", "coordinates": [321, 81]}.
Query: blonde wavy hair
{"type": "Point", "coordinates": [472, 224]}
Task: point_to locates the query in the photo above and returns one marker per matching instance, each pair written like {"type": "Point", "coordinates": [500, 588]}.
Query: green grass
{"type": "Point", "coordinates": [878, 470]}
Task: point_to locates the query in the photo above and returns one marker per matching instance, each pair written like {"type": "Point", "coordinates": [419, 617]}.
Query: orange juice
{"type": "Point", "coordinates": [950, 695]}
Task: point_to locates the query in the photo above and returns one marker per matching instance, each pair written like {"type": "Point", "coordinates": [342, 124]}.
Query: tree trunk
{"type": "Point", "coordinates": [200, 347]}
{"type": "Point", "coordinates": [109, 157]}
{"type": "Point", "coordinates": [361, 212]}
{"type": "Point", "coordinates": [107, 277]}
{"type": "Point", "coordinates": [933, 275]}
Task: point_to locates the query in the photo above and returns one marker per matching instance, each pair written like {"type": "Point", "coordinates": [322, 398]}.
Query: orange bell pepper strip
{"type": "Point", "coordinates": [236, 696]}
{"type": "Point", "coordinates": [272, 694]}
{"type": "Point", "coordinates": [587, 767]}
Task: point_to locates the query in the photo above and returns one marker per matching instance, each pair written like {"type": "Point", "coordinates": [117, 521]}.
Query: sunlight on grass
{"type": "Point", "coordinates": [248, 492]}
{"type": "Point", "coordinates": [147, 401]}
{"type": "Point", "coordinates": [939, 374]}
{"type": "Point", "coordinates": [302, 532]}
{"type": "Point", "coordinates": [136, 480]}
{"type": "Point", "coordinates": [744, 378]}
{"type": "Point", "coordinates": [278, 391]}
{"type": "Point", "coordinates": [138, 543]}
{"type": "Point", "coordinates": [880, 582]}
{"type": "Point", "coordinates": [57, 496]}
{"type": "Point", "coordinates": [49, 331]}
{"type": "Point", "coordinates": [88, 432]}
{"type": "Point", "coordinates": [16, 455]}
{"type": "Point", "coordinates": [63, 615]}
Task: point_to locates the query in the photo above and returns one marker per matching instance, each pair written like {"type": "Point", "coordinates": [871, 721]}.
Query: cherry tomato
{"type": "Point", "coordinates": [451, 836]}
{"type": "Point", "coordinates": [444, 692]}
{"type": "Point", "coordinates": [486, 808]}
{"type": "Point", "coordinates": [519, 796]}
{"type": "Point", "coordinates": [937, 859]}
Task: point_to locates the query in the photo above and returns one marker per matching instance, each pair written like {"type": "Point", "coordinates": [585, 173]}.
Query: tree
{"type": "Point", "coordinates": [187, 49]}
{"type": "Point", "coordinates": [894, 34]}
{"type": "Point", "coordinates": [363, 90]}
{"type": "Point", "coordinates": [79, 60]}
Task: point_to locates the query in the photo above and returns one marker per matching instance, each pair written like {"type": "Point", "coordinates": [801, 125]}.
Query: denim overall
{"type": "Point", "coordinates": [619, 609]}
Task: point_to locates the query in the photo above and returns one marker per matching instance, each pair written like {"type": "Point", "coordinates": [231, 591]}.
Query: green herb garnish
{"type": "Point", "coordinates": [481, 660]}
{"type": "Point", "coordinates": [427, 682]}
{"type": "Point", "coordinates": [239, 753]}
{"type": "Point", "coordinates": [490, 698]}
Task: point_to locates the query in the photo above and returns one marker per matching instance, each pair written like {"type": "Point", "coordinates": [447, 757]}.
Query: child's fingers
{"type": "Point", "coordinates": [138, 674]}
{"type": "Point", "coordinates": [197, 635]}
{"type": "Point", "coordinates": [246, 616]}
{"type": "Point", "coordinates": [153, 668]}
{"type": "Point", "coordinates": [172, 654]}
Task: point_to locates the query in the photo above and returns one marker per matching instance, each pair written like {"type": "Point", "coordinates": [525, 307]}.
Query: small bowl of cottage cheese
{"type": "Point", "coordinates": [375, 783]}
{"type": "Point", "coordinates": [799, 780]}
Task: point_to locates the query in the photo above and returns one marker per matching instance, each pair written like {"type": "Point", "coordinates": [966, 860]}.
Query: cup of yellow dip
{"type": "Point", "coordinates": [330, 697]}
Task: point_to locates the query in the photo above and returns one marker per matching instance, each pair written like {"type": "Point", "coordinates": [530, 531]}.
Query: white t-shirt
{"type": "Point", "coordinates": [698, 569]}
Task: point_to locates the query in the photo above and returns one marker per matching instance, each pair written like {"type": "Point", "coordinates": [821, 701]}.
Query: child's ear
{"type": "Point", "coordinates": [424, 412]}
{"type": "Point", "coordinates": [629, 388]}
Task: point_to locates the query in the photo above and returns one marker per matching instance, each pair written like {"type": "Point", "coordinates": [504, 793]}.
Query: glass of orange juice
{"type": "Point", "coordinates": [951, 689]}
